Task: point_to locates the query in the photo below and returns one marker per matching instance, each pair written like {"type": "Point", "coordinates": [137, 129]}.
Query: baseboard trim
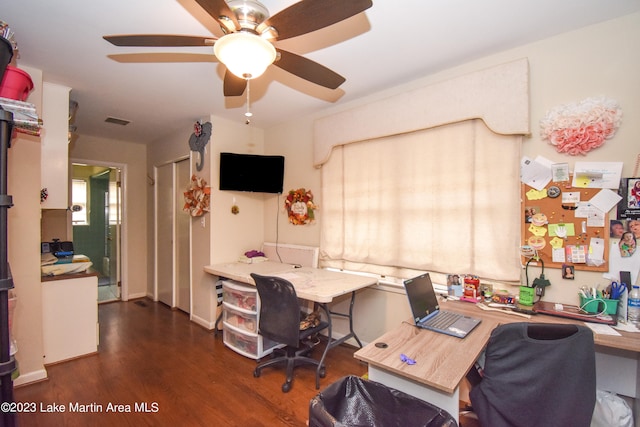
{"type": "Point", "coordinates": [31, 377]}
{"type": "Point", "coordinates": [135, 296]}
{"type": "Point", "coordinates": [203, 322]}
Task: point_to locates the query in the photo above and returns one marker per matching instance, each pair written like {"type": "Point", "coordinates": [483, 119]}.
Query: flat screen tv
{"type": "Point", "coordinates": [251, 172]}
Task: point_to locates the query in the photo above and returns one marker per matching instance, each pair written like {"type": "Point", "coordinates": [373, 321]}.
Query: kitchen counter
{"type": "Point", "coordinates": [89, 273]}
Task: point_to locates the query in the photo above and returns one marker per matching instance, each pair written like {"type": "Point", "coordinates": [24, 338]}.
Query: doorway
{"type": "Point", "coordinates": [97, 223]}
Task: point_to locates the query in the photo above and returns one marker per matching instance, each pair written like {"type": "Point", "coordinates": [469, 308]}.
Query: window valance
{"type": "Point", "coordinates": [498, 95]}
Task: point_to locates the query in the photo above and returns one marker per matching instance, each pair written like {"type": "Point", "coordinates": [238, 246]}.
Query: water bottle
{"type": "Point", "coordinates": [633, 311]}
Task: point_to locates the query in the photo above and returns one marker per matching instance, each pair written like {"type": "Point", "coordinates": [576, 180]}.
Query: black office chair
{"type": "Point", "coordinates": [537, 375]}
{"type": "Point", "coordinates": [280, 322]}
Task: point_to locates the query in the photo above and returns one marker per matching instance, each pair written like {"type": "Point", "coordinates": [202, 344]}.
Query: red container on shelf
{"type": "Point", "coordinates": [16, 84]}
{"type": "Point", "coordinates": [471, 285]}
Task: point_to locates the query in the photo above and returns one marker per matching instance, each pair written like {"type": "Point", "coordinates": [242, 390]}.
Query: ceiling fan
{"type": "Point", "coordinates": [246, 48]}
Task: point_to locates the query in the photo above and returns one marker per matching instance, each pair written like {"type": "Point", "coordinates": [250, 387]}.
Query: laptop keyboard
{"type": "Point", "coordinates": [443, 320]}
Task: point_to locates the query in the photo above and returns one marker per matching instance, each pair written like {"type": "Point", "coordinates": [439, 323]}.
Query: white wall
{"type": "Point", "coordinates": [23, 240]}
{"type": "Point", "coordinates": [293, 140]}
{"type": "Point", "coordinates": [233, 235]}
{"type": "Point", "coordinates": [600, 60]}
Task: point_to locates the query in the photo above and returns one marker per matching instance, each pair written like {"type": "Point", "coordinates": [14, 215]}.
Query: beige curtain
{"type": "Point", "coordinates": [444, 200]}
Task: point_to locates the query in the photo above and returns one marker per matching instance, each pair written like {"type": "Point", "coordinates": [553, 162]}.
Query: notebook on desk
{"type": "Point", "coordinates": [426, 311]}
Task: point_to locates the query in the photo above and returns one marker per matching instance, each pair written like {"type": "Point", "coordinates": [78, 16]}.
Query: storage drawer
{"type": "Point", "coordinates": [249, 345]}
{"type": "Point", "coordinates": [241, 296]}
{"type": "Point", "coordinates": [241, 319]}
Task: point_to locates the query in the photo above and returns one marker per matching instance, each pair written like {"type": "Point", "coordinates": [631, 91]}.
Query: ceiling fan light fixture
{"type": "Point", "coordinates": [245, 54]}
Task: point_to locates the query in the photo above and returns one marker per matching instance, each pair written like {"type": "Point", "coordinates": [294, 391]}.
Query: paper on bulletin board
{"type": "Point", "coordinates": [605, 200]}
{"type": "Point", "coordinates": [570, 197]}
{"type": "Point", "coordinates": [557, 255]}
{"type": "Point", "coordinates": [595, 217]}
{"type": "Point", "coordinates": [535, 173]}
{"type": "Point", "coordinates": [596, 251]}
{"type": "Point", "coordinates": [562, 230]}
{"type": "Point", "coordinates": [597, 174]}
{"type": "Point", "coordinates": [582, 210]}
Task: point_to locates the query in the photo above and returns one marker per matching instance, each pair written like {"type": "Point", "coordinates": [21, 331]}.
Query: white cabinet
{"type": "Point", "coordinates": [69, 318]}
{"type": "Point", "coordinates": [241, 314]}
{"type": "Point", "coordinates": [54, 151]}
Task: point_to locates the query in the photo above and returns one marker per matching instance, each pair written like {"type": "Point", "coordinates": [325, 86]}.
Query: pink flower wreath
{"type": "Point", "coordinates": [578, 128]}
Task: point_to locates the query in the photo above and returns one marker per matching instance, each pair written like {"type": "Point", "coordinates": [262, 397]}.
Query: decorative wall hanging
{"type": "Point", "coordinates": [196, 198]}
{"type": "Point", "coordinates": [300, 206]}
{"type": "Point", "coordinates": [199, 139]}
{"type": "Point", "coordinates": [578, 128]}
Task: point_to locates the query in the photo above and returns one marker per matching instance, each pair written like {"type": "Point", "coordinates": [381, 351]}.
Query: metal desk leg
{"type": "Point", "coordinates": [215, 328]}
{"type": "Point", "coordinates": [331, 343]}
{"type": "Point", "coordinates": [352, 334]}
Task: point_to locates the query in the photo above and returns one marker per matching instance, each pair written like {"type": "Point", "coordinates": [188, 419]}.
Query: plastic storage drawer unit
{"type": "Point", "coordinates": [241, 316]}
{"type": "Point", "coordinates": [239, 295]}
{"type": "Point", "coordinates": [250, 345]}
{"type": "Point", "coordinates": [241, 319]}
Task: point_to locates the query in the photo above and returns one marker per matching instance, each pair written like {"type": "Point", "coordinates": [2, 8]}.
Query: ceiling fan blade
{"type": "Point", "coordinates": [233, 85]}
{"type": "Point", "coordinates": [159, 40]}
{"type": "Point", "coordinates": [163, 57]}
{"type": "Point", "coordinates": [311, 15]}
{"type": "Point", "coordinates": [220, 11]}
{"type": "Point", "coordinates": [308, 69]}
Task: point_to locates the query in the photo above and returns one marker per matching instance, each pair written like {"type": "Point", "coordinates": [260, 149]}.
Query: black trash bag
{"type": "Point", "coordinates": [355, 402]}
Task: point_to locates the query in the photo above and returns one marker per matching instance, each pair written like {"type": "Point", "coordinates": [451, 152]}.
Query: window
{"type": "Point", "coordinates": [442, 200]}
{"type": "Point", "coordinates": [79, 190]}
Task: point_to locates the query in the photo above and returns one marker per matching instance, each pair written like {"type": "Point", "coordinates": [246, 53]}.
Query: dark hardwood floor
{"type": "Point", "coordinates": [150, 355]}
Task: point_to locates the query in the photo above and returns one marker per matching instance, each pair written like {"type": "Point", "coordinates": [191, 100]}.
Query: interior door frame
{"type": "Point", "coordinates": [123, 259]}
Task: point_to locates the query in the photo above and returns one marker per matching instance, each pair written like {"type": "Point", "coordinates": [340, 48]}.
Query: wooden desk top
{"type": "Point", "coordinates": [442, 361]}
{"type": "Point", "coordinates": [627, 341]}
{"type": "Point", "coordinates": [313, 284]}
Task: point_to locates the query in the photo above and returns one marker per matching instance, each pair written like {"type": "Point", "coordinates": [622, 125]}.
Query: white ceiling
{"type": "Point", "coordinates": [389, 44]}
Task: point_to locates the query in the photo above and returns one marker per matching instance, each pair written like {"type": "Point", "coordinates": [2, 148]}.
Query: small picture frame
{"type": "Point", "coordinates": [454, 285]}
{"type": "Point", "coordinates": [568, 272]}
{"type": "Point", "coordinates": [629, 206]}
{"type": "Point", "coordinates": [529, 212]}
{"type": "Point", "coordinates": [617, 227]}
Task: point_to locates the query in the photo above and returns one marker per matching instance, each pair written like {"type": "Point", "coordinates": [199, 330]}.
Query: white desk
{"type": "Point", "coordinates": [312, 284]}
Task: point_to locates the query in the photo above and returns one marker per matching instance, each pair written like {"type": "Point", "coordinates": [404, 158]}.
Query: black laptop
{"type": "Point", "coordinates": [426, 311]}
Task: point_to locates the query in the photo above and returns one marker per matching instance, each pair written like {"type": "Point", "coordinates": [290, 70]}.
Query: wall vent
{"type": "Point", "coordinates": [116, 121]}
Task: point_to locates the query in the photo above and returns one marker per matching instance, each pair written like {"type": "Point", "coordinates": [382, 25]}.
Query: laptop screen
{"type": "Point", "coordinates": [422, 297]}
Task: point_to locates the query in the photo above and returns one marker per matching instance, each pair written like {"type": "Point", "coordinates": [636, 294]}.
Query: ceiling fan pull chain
{"type": "Point", "coordinates": [248, 114]}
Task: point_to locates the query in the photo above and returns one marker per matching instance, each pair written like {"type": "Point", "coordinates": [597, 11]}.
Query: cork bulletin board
{"type": "Point", "coordinates": [563, 231]}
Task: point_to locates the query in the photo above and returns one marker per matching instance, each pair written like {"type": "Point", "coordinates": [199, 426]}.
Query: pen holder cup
{"type": "Point", "coordinates": [598, 305]}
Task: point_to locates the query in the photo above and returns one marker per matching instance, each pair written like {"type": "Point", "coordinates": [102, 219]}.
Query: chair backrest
{"type": "Point", "coordinates": [279, 310]}
{"type": "Point", "coordinates": [537, 374]}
